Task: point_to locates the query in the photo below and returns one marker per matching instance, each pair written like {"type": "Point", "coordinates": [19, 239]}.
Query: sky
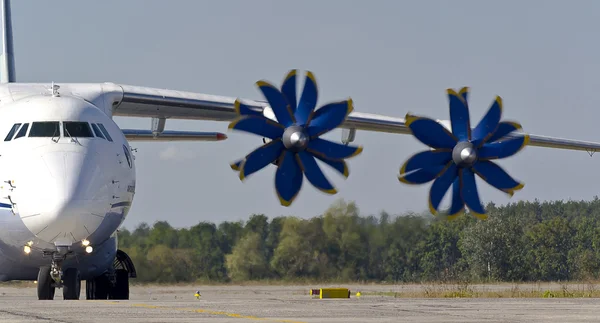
{"type": "Point", "coordinates": [391, 57]}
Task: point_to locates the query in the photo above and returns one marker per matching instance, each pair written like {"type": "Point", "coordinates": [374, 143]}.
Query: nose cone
{"type": "Point", "coordinates": [65, 196]}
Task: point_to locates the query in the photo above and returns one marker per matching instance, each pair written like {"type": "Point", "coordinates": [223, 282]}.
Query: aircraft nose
{"type": "Point", "coordinates": [64, 199]}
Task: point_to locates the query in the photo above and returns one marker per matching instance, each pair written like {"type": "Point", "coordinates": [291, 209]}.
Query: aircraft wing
{"type": "Point", "coordinates": [148, 102]}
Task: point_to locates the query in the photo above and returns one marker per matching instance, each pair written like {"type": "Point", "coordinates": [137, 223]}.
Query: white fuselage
{"type": "Point", "coordinates": [69, 175]}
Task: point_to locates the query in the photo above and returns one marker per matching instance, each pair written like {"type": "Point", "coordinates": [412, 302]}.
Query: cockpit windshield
{"type": "Point", "coordinates": [12, 131]}
{"type": "Point", "coordinates": [51, 129]}
{"type": "Point", "coordinates": [77, 129]}
{"type": "Point", "coordinates": [45, 129]}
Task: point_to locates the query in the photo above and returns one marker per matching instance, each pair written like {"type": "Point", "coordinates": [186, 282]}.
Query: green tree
{"type": "Point", "coordinates": [550, 244]}
{"type": "Point", "coordinates": [294, 255]}
{"type": "Point", "coordinates": [523, 241]}
{"type": "Point", "coordinates": [163, 233]}
{"type": "Point", "coordinates": [229, 233]}
{"type": "Point", "coordinates": [248, 260]}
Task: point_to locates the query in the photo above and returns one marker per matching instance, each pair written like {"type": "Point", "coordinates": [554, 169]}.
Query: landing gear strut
{"type": "Point", "coordinates": [52, 277]}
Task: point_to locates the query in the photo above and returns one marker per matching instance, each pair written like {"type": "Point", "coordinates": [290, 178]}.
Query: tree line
{"type": "Point", "coordinates": [524, 241]}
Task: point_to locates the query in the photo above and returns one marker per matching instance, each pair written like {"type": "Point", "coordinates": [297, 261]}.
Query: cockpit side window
{"type": "Point", "coordinates": [77, 129]}
{"type": "Point", "coordinates": [105, 132]}
{"type": "Point", "coordinates": [97, 131]}
{"type": "Point", "coordinates": [12, 131]}
{"type": "Point", "coordinates": [45, 129]}
{"type": "Point", "coordinates": [23, 131]}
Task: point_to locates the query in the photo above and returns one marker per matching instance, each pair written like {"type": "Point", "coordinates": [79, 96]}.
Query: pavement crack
{"type": "Point", "coordinates": [29, 315]}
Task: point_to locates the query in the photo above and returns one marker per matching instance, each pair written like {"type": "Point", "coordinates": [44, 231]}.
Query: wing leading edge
{"type": "Point", "coordinates": [171, 104]}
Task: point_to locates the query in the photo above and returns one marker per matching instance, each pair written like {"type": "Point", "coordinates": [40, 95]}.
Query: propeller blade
{"type": "Point", "coordinates": [425, 159]}
{"type": "Point", "coordinates": [470, 195]}
{"type": "Point", "coordinates": [430, 132]}
{"type": "Point", "coordinates": [504, 128]}
{"type": "Point", "coordinates": [260, 157]}
{"type": "Point", "coordinates": [329, 117]}
{"type": "Point", "coordinates": [288, 179]}
{"type": "Point", "coordinates": [332, 150]}
{"type": "Point", "coordinates": [440, 186]}
{"type": "Point", "coordinates": [459, 114]}
{"type": "Point", "coordinates": [488, 124]}
{"type": "Point", "coordinates": [244, 110]}
{"type": "Point", "coordinates": [278, 103]}
{"type": "Point", "coordinates": [423, 175]}
{"type": "Point", "coordinates": [308, 100]}
{"type": "Point", "coordinates": [503, 149]}
{"type": "Point", "coordinates": [496, 176]}
{"type": "Point", "coordinates": [339, 165]}
{"type": "Point", "coordinates": [458, 205]}
{"type": "Point", "coordinates": [236, 165]}
{"type": "Point", "coordinates": [313, 173]}
{"type": "Point", "coordinates": [288, 88]}
{"type": "Point", "coordinates": [259, 126]}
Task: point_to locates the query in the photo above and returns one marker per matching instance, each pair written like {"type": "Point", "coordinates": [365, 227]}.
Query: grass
{"type": "Point", "coordinates": [522, 290]}
{"type": "Point", "coordinates": [587, 289]}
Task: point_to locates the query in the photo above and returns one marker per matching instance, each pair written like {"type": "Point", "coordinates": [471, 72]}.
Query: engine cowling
{"type": "Point", "coordinates": [269, 114]}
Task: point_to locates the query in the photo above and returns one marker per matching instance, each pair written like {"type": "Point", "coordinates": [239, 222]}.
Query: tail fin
{"type": "Point", "coordinates": [7, 58]}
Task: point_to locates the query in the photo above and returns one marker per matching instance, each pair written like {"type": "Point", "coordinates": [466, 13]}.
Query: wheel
{"type": "Point", "coordinates": [102, 287]}
{"type": "Point", "coordinates": [45, 287]}
{"type": "Point", "coordinates": [121, 288]}
{"type": "Point", "coordinates": [97, 288]}
{"type": "Point", "coordinates": [90, 287]}
{"type": "Point", "coordinates": [71, 284]}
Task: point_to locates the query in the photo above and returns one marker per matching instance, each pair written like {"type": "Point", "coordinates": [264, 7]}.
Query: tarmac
{"type": "Point", "coordinates": [289, 304]}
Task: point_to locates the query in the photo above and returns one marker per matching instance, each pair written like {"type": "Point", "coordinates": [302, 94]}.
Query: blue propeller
{"type": "Point", "coordinates": [294, 142]}
{"type": "Point", "coordinates": [457, 156]}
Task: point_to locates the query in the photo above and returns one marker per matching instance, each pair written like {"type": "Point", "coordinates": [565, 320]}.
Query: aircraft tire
{"type": "Point", "coordinates": [102, 287]}
{"type": "Point", "coordinates": [45, 289]}
{"type": "Point", "coordinates": [90, 287]}
{"type": "Point", "coordinates": [71, 284]}
{"type": "Point", "coordinates": [121, 288]}
{"type": "Point", "coordinates": [97, 288]}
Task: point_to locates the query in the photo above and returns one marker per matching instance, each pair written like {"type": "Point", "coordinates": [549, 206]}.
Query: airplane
{"type": "Point", "coordinates": [68, 175]}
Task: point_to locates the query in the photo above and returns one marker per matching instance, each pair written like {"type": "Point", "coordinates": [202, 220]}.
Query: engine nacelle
{"type": "Point", "coordinates": [445, 123]}
{"type": "Point", "coordinates": [348, 135]}
{"type": "Point", "coordinates": [269, 114]}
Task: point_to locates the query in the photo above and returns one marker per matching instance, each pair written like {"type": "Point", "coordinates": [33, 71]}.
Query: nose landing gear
{"type": "Point", "coordinates": [52, 277]}
{"type": "Point", "coordinates": [113, 284]}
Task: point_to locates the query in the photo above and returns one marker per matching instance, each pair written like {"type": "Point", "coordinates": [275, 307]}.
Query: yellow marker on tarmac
{"type": "Point", "coordinates": [334, 293]}
{"type": "Point", "coordinates": [358, 294]}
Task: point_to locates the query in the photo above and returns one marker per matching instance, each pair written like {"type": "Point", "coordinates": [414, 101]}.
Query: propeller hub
{"type": "Point", "coordinates": [464, 154]}
{"type": "Point", "coordinates": [295, 139]}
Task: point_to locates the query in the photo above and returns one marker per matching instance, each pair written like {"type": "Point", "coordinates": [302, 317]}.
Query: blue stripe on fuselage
{"type": "Point", "coordinates": [119, 204]}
